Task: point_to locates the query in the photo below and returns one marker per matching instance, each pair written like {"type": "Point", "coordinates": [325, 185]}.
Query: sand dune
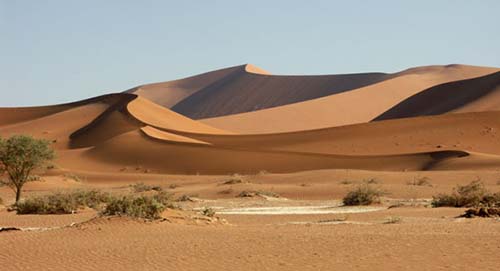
{"type": "Point", "coordinates": [472, 95]}
{"type": "Point", "coordinates": [136, 149]}
{"type": "Point", "coordinates": [355, 106]}
{"type": "Point", "coordinates": [245, 91]}
{"type": "Point", "coordinates": [116, 131]}
{"type": "Point", "coordinates": [169, 93]}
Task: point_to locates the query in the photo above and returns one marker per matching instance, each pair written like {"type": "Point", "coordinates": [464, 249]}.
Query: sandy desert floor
{"type": "Point", "coordinates": [303, 229]}
{"type": "Point", "coordinates": [303, 142]}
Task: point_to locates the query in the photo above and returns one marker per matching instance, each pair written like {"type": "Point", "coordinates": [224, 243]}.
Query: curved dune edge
{"type": "Point", "coordinates": [134, 148]}
{"type": "Point", "coordinates": [155, 115]}
{"type": "Point", "coordinates": [470, 95]}
{"type": "Point", "coordinates": [132, 113]}
{"type": "Point", "coordinates": [169, 137]}
{"type": "Point", "coordinates": [13, 115]}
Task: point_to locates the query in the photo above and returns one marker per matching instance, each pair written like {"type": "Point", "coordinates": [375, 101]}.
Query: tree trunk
{"type": "Point", "coordinates": [18, 194]}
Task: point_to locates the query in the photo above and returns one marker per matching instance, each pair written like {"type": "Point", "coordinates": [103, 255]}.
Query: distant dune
{"type": "Point", "coordinates": [309, 122]}
{"type": "Point", "coordinates": [350, 107]}
{"type": "Point", "coordinates": [471, 95]}
{"type": "Point", "coordinates": [246, 91]}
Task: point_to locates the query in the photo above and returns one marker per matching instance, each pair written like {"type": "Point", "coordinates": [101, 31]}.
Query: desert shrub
{"type": "Point", "coordinates": [73, 177]}
{"type": "Point", "coordinates": [253, 193]}
{"type": "Point", "coordinates": [210, 212]}
{"type": "Point", "coordinates": [173, 186]}
{"type": "Point", "coordinates": [363, 195]}
{"type": "Point", "coordinates": [1, 201]}
{"type": "Point", "coordinates": [393, 220]}
{"type": "Point", "coordinates": [346, 182]}
{"type": "Point", "coordinates": [370, 181]}
{"type": "Point", "coordinates": [62, 203]}
{"type": "Point", "coordinates": [89, 198]}
{"type": "Point", "coordinates": [424, 181]}
{"type": "Point", "coordinates": [491, 200]}
{"type": "Point", "coordinates": [234, 179]}
{"type": "Point", "coordinates": [186, 197]}
{"type": "Point", "coordinates": [142, 187]}
{"type": "Point", "coordinates": [148, 207]}
{"type": "Point", "coordinates": [473, 194]}
{"type": "Point", "coordinates": [52, 204]}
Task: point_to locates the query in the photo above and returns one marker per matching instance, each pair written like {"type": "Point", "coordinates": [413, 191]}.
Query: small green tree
{"type": "Point", "coordinates": [19, 156]}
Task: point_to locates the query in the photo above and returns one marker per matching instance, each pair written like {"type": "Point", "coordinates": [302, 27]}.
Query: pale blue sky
{"type": "Point", "coordinates": [60, 51]}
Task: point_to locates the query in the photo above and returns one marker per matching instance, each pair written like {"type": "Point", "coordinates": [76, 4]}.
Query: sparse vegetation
{"type": "Point", "coordinates": [346, 182]}
{"type": "Point", "coordinates": [1, 201]}
{"type": "Point", "coordinates": [393, 220]}
{"type": "Point", "coordinates": [234, 179]}
{"type": "Point", "coordinates": [364, 194]}
{"type": "Point", "coordinates": [62, 203]}
{"type": "Point", "coordinates": [185, 198]}
{"type": "Point", "coordinates": [141, 187]}
{"type": "Point", "coordinates": [210, 212]}
{"type": "Point", "coordinates": [370, 181]}
{"type": "Point", "coordinates": [73, 177]}
{"type": "Point", "coordinates": [147, 207]}
{"type": "Point", "coordinates": [252, 193]}
{"type": "Point", "coordinates": [423, 181]}
{"type": "Point", "coordinates": [482, 212]}
{"type": "Point", "coordinates": [19, 156]}
{"type": "Point", "coordinates": [173, 186]}
{"type": "Point", "coordinates": [335, 219]}
{"type": "Point", "coordinates": [473, 194]}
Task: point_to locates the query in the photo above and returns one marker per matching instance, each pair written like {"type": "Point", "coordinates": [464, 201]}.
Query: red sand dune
{"type": "Point", "coordinates": [111, 132]}
{"type": "Point", "coordinates": [355, 106]}
{"type": "Point", "coordinates": [471, 95]}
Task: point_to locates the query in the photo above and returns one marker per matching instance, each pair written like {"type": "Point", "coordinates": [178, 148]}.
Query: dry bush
{"type": "Point", "coordinates": [62, 203]}
{"type": "Point", "coordinates": [185, 198]}
{"type": "Point", "coordinates": [393, 220]}
{"type": "Point", "coordinates": [142, 187]}
{"type": "Point", "coordinates": [210, 212]}
{"type": "Point", "coordinates": [424, 181]}
{"type": "Point", "coordinates": [345, 182]}
{"type": "Point", "coordinates": [473, 194]}
{"type": "Point", "coordinates": [234, 179]}
{"type": "Point", "coordinates": [73, 177]}
{"type": "Point", "coordinates": [371, 181]}
{"type": "Point", "coordinates": [253, 193]}
{"type": "Point", "coordinates": [147, 207]}
{"type": "Point", "coordinates": [364, 194]}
